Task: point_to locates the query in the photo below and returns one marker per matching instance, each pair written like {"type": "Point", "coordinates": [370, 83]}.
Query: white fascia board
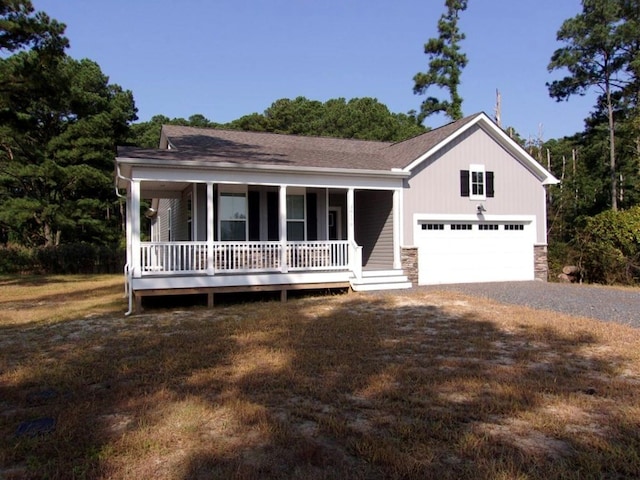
{"type": "Point", "coordinates": [545, 176]}
{"type": "Point", "coordinates": [317, 178]}
{"type": "Point", "coordinates": [438, 146]}
{"type": "Point", "coordinates": [198, 164]}
{"type": "Point", "coordinates": [469, 217]}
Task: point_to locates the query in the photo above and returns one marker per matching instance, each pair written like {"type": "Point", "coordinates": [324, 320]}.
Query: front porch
{"type": "Point", "coordinates": [207, 237]}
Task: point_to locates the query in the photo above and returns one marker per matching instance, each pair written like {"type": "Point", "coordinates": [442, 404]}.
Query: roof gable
{"type": "Point", "coordinates": [440, 138]}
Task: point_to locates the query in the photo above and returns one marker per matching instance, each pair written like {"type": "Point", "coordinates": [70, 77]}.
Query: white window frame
{"type": "Point", "coordinates": [233, 189]}
{"type": "Point", "coordinates": [477, 169]}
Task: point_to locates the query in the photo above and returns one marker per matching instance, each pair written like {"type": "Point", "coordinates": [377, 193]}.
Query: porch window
{"type": "Point", "coordinates": [233, 216]}
{"type": "Point", "coordinates": [295, 218]}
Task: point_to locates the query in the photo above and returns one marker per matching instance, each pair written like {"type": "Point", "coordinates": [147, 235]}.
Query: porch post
{"type": "Point", "coordinates": [135, 228]}
{"type": "Point", "coordinates": [351, 229]}
{"type": "Point", "coordinates": [129, 233]}
{"type": "Point", "coordinates": [284, 267]}
{"type": "Point", "coordinates": [397, 263]}
{"type": "Point", "coordinates": [210, 229]}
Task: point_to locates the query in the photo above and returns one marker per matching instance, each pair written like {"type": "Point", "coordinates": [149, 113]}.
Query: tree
{"type": "Point", "coordinates": [446, 62]}
{"type": "Point", "coordinates": [61, 121]}
{"type": "Point", "coordinates": [598, 53]}
{"type": "Point", "coordinates": [21, 28]}
{"type": "Point", "coordinates": [358, 118]}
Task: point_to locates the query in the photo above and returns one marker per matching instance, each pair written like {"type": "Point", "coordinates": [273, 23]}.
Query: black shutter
{"type": "Point", "coordinates": [312, 216]}
{"type": "Point", "coordinates": [273, 216]}
{"type": "Point", "coordinates": [464, 183]}
{"type": "Point", "coordinates": [254, 215]}
{"type": "Point", "coordinates": [489, 184]}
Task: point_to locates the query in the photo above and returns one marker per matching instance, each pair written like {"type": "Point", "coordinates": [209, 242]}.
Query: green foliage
{"type": "Point", "coordinates": [147, 134]}
{"type": "Point", "coordinates": [21, 27]}
{"type": "Point", "coordinates": [358, 118]}
{"type": "Point", "coordinates": [446, 62]}
{"type": "Point", "coordinates": [601, 51]}
{"type": "Point", "coordinates": [69, 258]}
{"type": "Point", "coordinates": [609, 245]}
{"type": "Point", "coordinates": [60, 125]}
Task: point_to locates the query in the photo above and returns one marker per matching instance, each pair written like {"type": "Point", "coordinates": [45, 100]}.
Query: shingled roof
{"type": "Point", "coordinates": [255, 148]}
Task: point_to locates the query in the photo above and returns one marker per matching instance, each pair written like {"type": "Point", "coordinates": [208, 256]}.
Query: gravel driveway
{"type": "Point", "coordinates": [610, 304]}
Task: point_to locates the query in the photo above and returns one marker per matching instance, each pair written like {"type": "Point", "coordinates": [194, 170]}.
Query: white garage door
{"type": "Point", "coordinates": [473, 251]}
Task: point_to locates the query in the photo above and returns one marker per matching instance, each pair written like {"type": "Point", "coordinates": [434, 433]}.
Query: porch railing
{"type": "Point", "coordinates": [161, 258]}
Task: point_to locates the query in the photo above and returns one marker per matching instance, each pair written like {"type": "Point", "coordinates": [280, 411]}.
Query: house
{"type": "Point", "coordinates": [234, 211]}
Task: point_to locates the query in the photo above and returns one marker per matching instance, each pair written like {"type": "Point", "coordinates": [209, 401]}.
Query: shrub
{"type": "Point", "coordinates": [609, 245]}
{"type": "Point", "coordinates": [73, 258]}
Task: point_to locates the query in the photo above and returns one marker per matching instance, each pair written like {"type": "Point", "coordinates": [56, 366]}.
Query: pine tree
{"type": "Point", "coordinates": [446, 62]}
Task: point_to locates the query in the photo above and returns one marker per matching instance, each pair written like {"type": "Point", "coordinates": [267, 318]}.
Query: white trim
{"type": "Point", "coordinates": [443, 217]}
{"type": "Point", "coordinates": [501, 137]}
{"type": "Point", "coordinates": [210, 227]}
{"type": "Point", "coordinates": [397, 223]}
{"type": "Point", "coordinates": [476, 168]}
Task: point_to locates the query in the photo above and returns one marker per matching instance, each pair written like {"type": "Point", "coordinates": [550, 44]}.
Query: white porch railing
{"type": "Point", "coordinates": [162, 258]}
{"type": "Point", "coordinates": [179, 257]}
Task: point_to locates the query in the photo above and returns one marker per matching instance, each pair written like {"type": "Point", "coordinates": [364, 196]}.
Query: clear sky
{"type": "Point", "coordinates": [229, 58]}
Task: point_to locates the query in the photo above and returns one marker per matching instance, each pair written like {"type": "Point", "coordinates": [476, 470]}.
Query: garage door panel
{"type": "Point", "coordinates": [474, 255]}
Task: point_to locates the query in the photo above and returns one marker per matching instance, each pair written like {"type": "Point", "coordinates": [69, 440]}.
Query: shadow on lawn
{"type": "Point", "coordinates": [365, 390]}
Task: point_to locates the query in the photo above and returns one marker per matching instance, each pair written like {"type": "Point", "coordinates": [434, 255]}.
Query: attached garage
{"type": "Point", "coordinates": [475, 250]}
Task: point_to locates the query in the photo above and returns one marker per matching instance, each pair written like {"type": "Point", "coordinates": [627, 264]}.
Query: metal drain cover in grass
{"type": "Point", "coordinates": [33, 428]}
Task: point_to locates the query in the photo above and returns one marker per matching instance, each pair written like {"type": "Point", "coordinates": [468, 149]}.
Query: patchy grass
{"type": "Point", "coordinates": [410, 385]}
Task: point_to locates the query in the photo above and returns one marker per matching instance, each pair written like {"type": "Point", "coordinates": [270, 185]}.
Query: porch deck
{"type": "Point", "coordinates": [182, 268]}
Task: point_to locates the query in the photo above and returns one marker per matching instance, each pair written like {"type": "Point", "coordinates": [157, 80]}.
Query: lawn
{"type": "Point", "coordinates": [408, 385]}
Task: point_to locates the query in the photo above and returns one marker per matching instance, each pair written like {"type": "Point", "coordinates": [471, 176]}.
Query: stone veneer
{"type": "Point", "coordinates": [541, 264]}
{"type": "Point", "coordinates": [409, 259]}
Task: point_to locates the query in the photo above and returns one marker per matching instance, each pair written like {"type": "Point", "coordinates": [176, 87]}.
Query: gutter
{"type": "Point", "coordinates": [156, 162]}
{"type": "Point", "coordinates": [128, 291]}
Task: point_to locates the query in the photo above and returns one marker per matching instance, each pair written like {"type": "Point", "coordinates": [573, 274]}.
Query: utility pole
{"type": "Point", "coordinates": [498, 109]}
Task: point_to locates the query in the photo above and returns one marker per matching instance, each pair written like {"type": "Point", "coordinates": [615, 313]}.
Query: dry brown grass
{"type": "Point", "coordinates": [409, 385]}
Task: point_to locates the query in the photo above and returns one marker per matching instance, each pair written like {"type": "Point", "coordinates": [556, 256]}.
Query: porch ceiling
{"type": "Point", "coordinates": [161, 189]}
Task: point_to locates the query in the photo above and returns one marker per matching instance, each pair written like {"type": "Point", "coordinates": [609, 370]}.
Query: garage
{"type": "Point", "coordinates": [467, 251]}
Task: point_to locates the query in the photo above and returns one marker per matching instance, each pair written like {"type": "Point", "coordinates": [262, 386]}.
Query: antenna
{"type": "Point", "coordinates": [498, 109]}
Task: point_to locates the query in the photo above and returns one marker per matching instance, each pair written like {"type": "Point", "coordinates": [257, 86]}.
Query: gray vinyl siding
{"type": "Point", "coordinates": [374, 228]}
{"type": "Point", "coordinates": [434, 187]}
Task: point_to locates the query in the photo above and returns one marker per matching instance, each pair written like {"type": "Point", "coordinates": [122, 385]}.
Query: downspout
{"type": "Point", "coordinates": [128, 291]}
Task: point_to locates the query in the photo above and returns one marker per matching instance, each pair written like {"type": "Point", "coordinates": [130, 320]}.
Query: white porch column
{"type": "Point", "coordinates": [351, 225]}
{"type": "Point", "coordinates": [284, 267]}
{"type": "Point", "coordinates": [135, 228]}
{"type": "Point", "coordinates": [210, 229]}
{"type": "Point", "coordinates": [397, 263]}
{"type": "Point", "coordinates": [129, 233]}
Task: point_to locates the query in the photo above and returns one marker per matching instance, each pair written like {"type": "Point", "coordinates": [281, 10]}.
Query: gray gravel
{"type": "Point", "coordinates": [603, 303]}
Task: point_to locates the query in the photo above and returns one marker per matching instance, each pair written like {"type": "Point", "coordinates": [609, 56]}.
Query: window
{"type": "Point", "coordinates": [488, 226]}
{"type": "Point", "coordinates": [233, 216]}
{"type": "Point", "coordinates": [169, 225]}
{"type": "Point", "coordinates": [476, 183]}
{"type": "Point", "coordinates": [460, 226]}
{"type": "Point", "coordinates": [295, 218]}
{"type": "Point", "coordinates": [514, 226]}
{"type": "Point", "coordinates": [433, 226]}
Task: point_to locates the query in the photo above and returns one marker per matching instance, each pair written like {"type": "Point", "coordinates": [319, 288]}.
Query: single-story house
{"type": "Point", "coordinates": [233, 210]}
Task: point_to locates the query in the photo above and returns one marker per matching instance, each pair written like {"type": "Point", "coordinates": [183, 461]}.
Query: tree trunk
{"type": "Point", "coordinates": [612, 152]}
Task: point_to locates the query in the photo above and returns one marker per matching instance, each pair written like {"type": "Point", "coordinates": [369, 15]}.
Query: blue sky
{"type": "Point", "coordinates": [228, 58]}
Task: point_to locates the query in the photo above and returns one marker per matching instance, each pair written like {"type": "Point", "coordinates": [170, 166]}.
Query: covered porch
{"type": "Point", "coordinates": [284, 238]}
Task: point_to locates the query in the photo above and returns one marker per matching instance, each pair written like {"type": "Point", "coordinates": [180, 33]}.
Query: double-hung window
{"type": "Point", "coordinates": [233, 215]}
{"type": "Point", "coordinates": [296, 217]}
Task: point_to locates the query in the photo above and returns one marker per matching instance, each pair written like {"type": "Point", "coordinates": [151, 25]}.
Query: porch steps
{"type": "Point", "coordinates": [380, 280]}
